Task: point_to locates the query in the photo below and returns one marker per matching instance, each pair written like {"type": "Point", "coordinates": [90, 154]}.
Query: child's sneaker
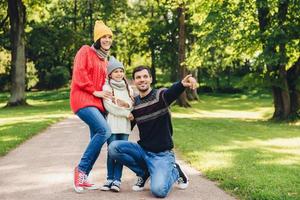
{"type": "Point", "coordinates": [140, 183]}
{"type": "Point", "coordinates": [115, 186]}
{"type": "Point", "coordinates": [183, 180]}
{"type": "Point", "coordinates": [107, 185]}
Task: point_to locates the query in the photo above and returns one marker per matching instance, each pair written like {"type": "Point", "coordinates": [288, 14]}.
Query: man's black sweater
{"type": "Point", "coordinates": [153, 118]}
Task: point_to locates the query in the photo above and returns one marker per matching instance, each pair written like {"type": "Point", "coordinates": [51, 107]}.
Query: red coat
{"type": "Point", "coordinates": [89, 73]}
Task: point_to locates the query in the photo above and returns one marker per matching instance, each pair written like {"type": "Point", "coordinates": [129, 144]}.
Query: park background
{"type": "Point", "coordinates": [240, 128]}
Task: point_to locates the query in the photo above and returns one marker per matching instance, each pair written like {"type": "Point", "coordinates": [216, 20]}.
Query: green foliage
{"type": "Point", "coordinates": [31, 75]}
{"type": "Point", "coordinates": [49, 48]}
{"type": "Point", "coordinates": [4, 69]}
{"type": "Point", "coordinates": [57, 77]}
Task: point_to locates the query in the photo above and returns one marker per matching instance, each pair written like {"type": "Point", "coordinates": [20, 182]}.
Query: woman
{"type": "Point", "coordinates": [86, 96]}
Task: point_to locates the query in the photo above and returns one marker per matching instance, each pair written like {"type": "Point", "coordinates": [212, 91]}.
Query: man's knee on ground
{"type": "Point", "coordinates": [159, 190]}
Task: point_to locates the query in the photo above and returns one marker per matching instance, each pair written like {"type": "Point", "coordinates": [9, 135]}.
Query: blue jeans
{"type": "Point", "coordinates": [161, 166]}
{"type": "Point", "coordinates": [114, 169]}
{"type": "Point", "coordinates": [99, 133]}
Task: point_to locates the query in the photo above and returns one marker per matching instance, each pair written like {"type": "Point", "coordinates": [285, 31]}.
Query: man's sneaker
{"type": "Point", "coordinates": [140, 183]}
{"type": "Point", "coordinates": [115, 186]}
{"type": "Point", "coordinates": [183, 180]}
{"type": "Point", "coordinates": [79, 178]}
{"type": "Point", "coordinates": [107, 185]}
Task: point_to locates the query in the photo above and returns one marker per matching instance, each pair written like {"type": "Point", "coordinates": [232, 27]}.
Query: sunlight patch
{"type": "Point", "coordinates": [283, 145]}
{"type": "Point", "coordinates": [8, 138]}
{"type": "Point", "coordinates": [291, 160]}
{"type": "Point", "coordinates": [35, 118]}
{"type": "Point", "coordinates": [257, 114]}
{"type": "Point", "coordinates": [212, 160]}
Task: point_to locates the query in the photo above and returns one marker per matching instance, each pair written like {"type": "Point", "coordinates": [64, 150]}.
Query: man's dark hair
{"type": "Point", "coordinates": [140, 68]}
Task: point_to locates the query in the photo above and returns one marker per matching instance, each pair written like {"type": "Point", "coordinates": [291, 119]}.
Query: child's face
{"type": "Point", "coordinates": [117, 74]}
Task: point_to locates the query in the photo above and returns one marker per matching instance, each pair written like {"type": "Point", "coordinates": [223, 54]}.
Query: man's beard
{"type": "Point", "coordinates": [143, 89]}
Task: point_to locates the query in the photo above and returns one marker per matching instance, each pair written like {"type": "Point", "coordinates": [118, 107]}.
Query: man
{"type": "Point", "coordinates": [152, 155]}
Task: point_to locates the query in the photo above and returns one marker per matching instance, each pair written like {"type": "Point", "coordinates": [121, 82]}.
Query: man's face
{"type": "Point", "coordinates": [106, 42]}
{"type": "Point", "coordinates": [142, 80]}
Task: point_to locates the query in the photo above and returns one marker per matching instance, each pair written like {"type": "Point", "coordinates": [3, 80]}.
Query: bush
{"type": "Point", "coordinates": [4, 82]}
{"type": "Point", "coordinates": [57, 77]}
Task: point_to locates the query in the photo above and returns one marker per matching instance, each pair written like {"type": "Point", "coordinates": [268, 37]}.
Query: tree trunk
{"type": "Point", "coordinates": [17, 12]}
{"type": "Point", "coordinates": [151, 45]}
{"type": "Point", "coordinates": [75, 15]}
{"type": "Point", "coordinates": [281, 95]}
{"type": "Point", "coordinates": [182, 100]}
{"type": "Point", "coordinates": [293, 77]}
{"type": "Point", "coordinates": [91, 27]}
{"type": "Point", "coordinates": [153, 70]}
{"type": "Point", "coordinates": [192, 95]}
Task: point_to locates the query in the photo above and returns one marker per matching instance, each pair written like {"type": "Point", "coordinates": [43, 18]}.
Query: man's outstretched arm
{"type": "Point", "coordinates": [177, 88]}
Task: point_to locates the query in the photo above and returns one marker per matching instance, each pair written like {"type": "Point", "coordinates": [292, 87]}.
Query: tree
{"type": "Point", "coordinates": [17, 16]}
{"type": "Point", "coordinates": [182, 100]}
{"type": "Point", "coordinates": [275, 46]}
{"type": "Point", "coordinates": [266, 32]}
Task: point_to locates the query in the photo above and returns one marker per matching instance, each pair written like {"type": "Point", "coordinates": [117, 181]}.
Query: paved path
{"type": "Point", "coordinates": [42, 169]}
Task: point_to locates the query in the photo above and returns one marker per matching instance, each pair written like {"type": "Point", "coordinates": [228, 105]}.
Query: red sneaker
{"type": "Point", "coordinates": [81, 181]}
{"type": "Point", "coordinates": [79, 178]}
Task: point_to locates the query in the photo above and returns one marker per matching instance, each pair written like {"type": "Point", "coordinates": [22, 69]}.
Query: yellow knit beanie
{"type": "Point", "coordinates": [100, 29]}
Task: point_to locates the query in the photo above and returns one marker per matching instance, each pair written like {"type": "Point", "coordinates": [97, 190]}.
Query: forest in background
{"type": "Point", "coordinates": [228, 45]}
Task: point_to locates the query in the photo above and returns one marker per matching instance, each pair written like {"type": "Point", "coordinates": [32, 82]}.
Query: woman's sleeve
{"type": "Point", "coordinates": [80, 71]}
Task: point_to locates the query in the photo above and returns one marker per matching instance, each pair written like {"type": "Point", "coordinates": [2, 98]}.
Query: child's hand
{"type": "Point", "coordinates": [130, 117]}
{"type": "Point", "coordinates": [122, 103]}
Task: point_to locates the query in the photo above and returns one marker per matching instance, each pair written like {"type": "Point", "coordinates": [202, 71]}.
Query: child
{"type": "Point", "coordinates": [119, 113]}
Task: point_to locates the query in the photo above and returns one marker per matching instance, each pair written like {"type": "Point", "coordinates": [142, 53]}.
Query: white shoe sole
{"type": "Point", "coordinates": [183, 186]}
{"type": "Point", "coordinates": [115, 189]}
{"type": "Point", "coordinates": [137, 189]}
{"type": "Point", "coordinates": [104, 189]}
{"type": "Point", "coordinates": [78, 189]}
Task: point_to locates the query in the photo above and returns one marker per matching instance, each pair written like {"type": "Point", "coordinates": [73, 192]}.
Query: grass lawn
{"type": "Point", "coordinates": [20, 123]}
{"type": "Point", "coordinates": [228, 138]}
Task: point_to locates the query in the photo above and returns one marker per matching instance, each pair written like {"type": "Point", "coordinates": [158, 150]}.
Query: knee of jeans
{"type": "Point", "coordinates": [103, 130]}
{"type": "Point", "coordinates": [113, 149]}
{"type": "Point", "coordinates": [158, 190]}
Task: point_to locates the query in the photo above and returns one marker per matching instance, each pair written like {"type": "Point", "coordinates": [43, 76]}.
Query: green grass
{"type": "Point", "coordinates": [18, 124]}
{"type": "Point", "coordinates": [228, 138]}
